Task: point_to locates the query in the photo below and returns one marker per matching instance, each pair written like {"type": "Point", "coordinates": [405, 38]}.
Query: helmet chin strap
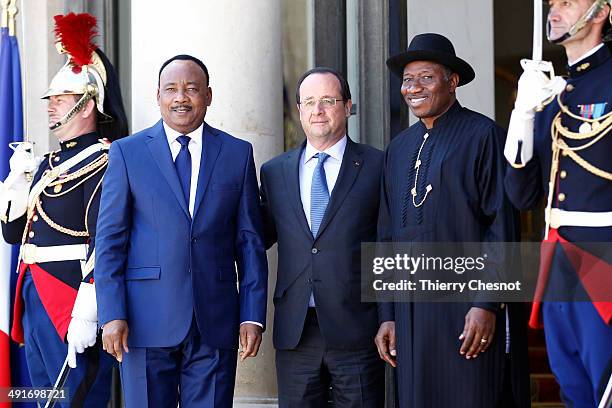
{"type": "Point", "coordinates": [578, 25]}
{"type": "Point", "coordinates": [72, 112]}
{"type": "Point", "coordinates": [558, 40]}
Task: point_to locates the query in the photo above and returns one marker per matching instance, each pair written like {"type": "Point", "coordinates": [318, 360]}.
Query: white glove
{"type": "Point", "coordinates": [536, 85]}
{"type": "Point", "coordinates": [23, 159]}
{"type": "Point", "coordinates": [83, 328]}
{"type": "Point", "coordinates": [81, 334]}
{"type": "Point", "coordinates": [16, 187]}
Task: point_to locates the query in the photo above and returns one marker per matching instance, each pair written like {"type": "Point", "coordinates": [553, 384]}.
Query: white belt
{"type": "Point", "coordinates": [31, 253]}
{"type": "Point", "coordinates": [562, 218]}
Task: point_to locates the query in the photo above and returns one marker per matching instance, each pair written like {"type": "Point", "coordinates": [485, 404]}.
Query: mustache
{"type": "Point", "coordinates": [177, 107]}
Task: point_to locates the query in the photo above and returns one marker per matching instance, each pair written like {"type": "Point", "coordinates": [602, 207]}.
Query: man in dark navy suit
{"type": "Point", "coordinates": [182, 266]}
{"type": "Point", "coordinates": [320, 203]}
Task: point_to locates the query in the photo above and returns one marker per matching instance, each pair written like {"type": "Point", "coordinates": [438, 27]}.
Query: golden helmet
{"type": "Point", "coordinates": [84, 72]}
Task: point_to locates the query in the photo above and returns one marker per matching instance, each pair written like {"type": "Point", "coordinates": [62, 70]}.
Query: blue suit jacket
{"type": "Point", "coordinates": [155, 266]}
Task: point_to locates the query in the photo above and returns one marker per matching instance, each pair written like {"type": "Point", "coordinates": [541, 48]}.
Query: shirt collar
{"type": "Point", "coordinates": [594, 58]}
{"type": "Point", "coordinates": [80, 142]}
{"type": "Point", "coordinates": [586, 54]}
{"type": "Point", "coordinates": [442, 119]}
{"type": "Point", "coordinates": [172, 134]}
{"type": "Point", "coordinates": [336, 151]}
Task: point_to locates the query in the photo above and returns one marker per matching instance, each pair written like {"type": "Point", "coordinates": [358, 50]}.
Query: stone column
{"type": "Point", "coordinates": [240, 43]}
{"type": "Point", "coordinates": [469, 25]}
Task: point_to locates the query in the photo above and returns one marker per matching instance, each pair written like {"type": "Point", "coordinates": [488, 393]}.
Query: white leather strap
{"type": "Point", "coordinates": [47, 179]}
{"type": "Point", "coordinates": [562, 218]}
{"type": "Point", "coordinates": [31, 253]}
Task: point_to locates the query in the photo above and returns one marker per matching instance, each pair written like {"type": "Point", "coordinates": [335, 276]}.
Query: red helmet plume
{"type": "Point", "coordinates": [76, 33]}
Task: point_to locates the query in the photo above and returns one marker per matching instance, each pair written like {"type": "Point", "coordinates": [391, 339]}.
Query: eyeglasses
{"type": "Point", "coordinates": [309, 104]}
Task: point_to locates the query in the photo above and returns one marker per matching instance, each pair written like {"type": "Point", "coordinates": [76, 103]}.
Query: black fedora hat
{"type": "Point", "coordinates": [432, 47]}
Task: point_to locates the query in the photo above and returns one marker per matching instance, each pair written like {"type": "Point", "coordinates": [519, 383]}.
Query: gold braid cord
{"type": "Point", "coordinates": [568, 112]}
{"type": "Point", "coordinates": [89, 203]}
{"type": "Point", "coordinates": [89, 265]}
{"type": "Point", "coordinates": [558, 132]}
{"type": "Point", "coordinates": [89, 171]}
{"type": "Point", "coordinates": [600, 128]}
{"type": "Point", "coordinates": [92, 168]}
{"type": "Point", "coordinates": [55, 225]}
{"type": "Point", "coordinates": [583, 163]}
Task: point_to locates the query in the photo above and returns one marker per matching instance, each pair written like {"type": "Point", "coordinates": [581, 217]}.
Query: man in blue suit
{"type": "Point", "coordinates": [320, 203]}
{"type": "Point", "coordinates": [181, 258]}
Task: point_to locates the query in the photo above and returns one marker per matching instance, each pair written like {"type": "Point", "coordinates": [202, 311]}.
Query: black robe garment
{"type": "Point", "coordinates": [463, 161]}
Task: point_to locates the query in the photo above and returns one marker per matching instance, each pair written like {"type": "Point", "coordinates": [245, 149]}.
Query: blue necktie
{"type": "Point", "coordinates": [319, 194]}
{"type": "Point", "coordinates": [183, 166]}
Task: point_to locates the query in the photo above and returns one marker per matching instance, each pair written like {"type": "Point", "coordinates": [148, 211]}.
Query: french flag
{"type": "Point", "coordinates": [11, 130]}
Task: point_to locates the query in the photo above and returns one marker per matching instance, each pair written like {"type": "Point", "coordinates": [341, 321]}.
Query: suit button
{"type": "Point", "coordinates": [561, 197]}
{"type": "Point", "coordinates": [563, 174]}
{"type": "Point", "coordinates": [309, 280]}
{"type": "Point", "coordinates": [314, 250]}
{"type": "Point", "coordinates": [194, 239]}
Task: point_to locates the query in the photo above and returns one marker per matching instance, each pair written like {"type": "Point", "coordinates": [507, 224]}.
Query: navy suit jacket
{"type": "Point", "coordinates": [156, 266]}
{"type": "Point", "coordinates": [329, 264]}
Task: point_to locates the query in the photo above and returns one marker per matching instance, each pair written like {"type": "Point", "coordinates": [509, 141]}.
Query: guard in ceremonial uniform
{"type": "Point", "coordinates": [561, 152]}
{"type": "Point", "coordinates": [50, 207]}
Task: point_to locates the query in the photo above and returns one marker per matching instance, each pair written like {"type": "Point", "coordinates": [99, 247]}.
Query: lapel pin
{"type": "Point", "coordinates": [356, 163]}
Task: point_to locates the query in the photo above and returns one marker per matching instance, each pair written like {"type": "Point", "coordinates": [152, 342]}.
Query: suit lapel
{"type": "Point", "coordinates": [352, 162]}
{"type": "Point", "coordinates": [291, 174]}
{"type": "Point", "coordinates": [160, 150]}
{"type": "Point", "coordinates": [211, 146]}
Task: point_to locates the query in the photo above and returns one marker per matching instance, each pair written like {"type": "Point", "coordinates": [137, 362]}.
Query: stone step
{"type": "Point", "coordinates": [262, 402]}
{"type": "Point", "coordinates": [538, 360]}
{"type": "Point", "coordinates": [535, 338]}
{"type": "Point", "coordinates": [544, 388]}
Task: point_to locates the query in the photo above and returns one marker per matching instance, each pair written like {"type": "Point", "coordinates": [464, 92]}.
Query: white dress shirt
{"type": "Point", "coordinates": [195, 149]}
{"type": "Point", "coordinates": [308, 163]}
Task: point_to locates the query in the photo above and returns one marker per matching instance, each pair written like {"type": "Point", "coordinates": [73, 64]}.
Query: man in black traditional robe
{"type": "Point", "coordinates": [443, 182]}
